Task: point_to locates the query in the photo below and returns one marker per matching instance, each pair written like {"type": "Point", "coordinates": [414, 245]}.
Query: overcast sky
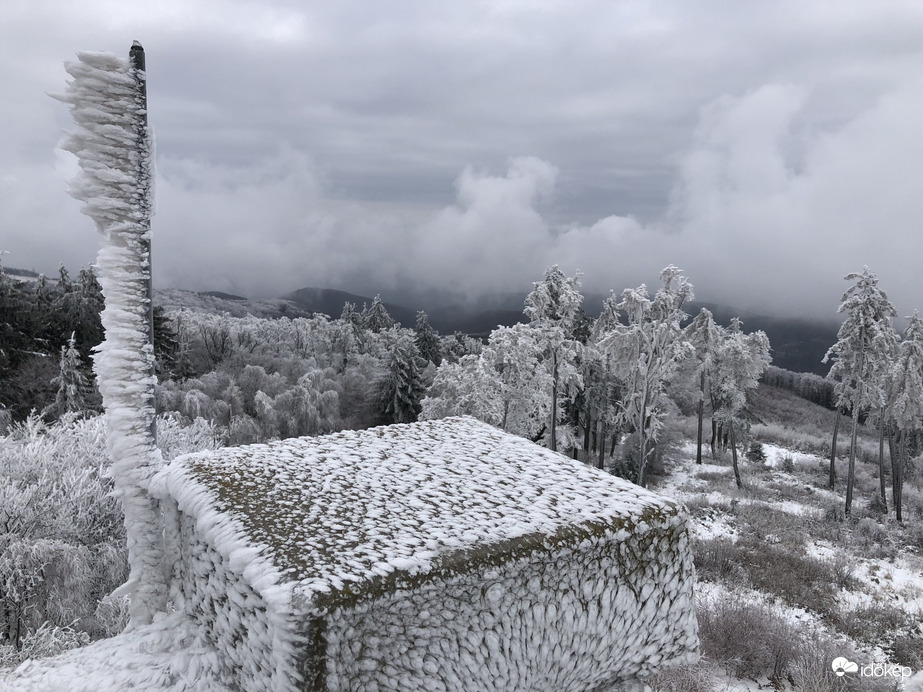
{"type": "Point", "coordinates": [767, 148]}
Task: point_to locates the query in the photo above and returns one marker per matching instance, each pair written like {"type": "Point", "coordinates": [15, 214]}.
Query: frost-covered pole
{"type": "Point", "coordinates": [145, 190]}
{"type": "Point", "coordinates": [114, 149]}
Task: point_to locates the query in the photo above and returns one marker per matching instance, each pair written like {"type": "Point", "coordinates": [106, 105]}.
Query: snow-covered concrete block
{"type": "Point", "coordinates": [440, 555]}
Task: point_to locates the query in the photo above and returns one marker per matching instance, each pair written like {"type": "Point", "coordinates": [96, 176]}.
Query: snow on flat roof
{"type": "Point", "coordinates": [335, 511]}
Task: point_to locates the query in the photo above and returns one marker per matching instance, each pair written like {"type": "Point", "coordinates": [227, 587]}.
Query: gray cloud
{"type": "Point", "coordinates": [767, 150]}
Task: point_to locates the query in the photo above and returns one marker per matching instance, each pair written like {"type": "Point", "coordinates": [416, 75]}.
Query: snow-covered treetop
{"type": "Point", "coordinates": [340, 515]}
{"type": "Point", "coordinates": [866, 342]}
{"type": "Point", "coordinates": [557, 299]}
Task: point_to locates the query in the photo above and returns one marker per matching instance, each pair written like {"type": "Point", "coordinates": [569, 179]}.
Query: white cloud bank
{"type": "Point", "coordinates": [767, 212]}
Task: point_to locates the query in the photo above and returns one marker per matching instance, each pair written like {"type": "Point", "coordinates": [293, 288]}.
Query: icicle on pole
{"type": "Point", "coordinates": [113, 145]}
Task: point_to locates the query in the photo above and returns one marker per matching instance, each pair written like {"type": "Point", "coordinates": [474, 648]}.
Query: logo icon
{"type": "Point", "coordinates": [842, 665]}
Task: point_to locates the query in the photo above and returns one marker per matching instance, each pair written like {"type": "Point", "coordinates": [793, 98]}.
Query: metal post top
{"type": "Point", "coordinates": [136, 55]}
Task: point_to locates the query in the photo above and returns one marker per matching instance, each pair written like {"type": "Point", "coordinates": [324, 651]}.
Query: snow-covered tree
{"type": "Point", "coordinates": [737, 364]}
{"type": "Point", "coordinates": [861, 354]}
{"type": "Point", "coordinates": [645, 352]}
{"type": "Point", "coordinates": [376, 318]}
{"type": "Point", "coordinates": [350, 335]}
{"type": "Point", "coordinates": [506, 385]}
{"type": "Point", "coordinates": [462, 388]}
{"type": "Point", "coordinates": [458, 345]}
{"type": "Point", "coordinates": [72, 384]}
{"type": "Point", "coordinates": [704, 334]}
{"type": "Point", "coordinates": [906, 408]}
{"type": "Point", "coordinates": [427, 340]}
{"type": "Point", "coordinates": [311, 407]}
{"type": "Point", "coordinates": [107, 97]}
{"type": "Point", "coordinates": [552, 308]}
{"type": "Point", "coordinates": [401, 389]}
{"type": "Point", "coordinates": [520, 386]}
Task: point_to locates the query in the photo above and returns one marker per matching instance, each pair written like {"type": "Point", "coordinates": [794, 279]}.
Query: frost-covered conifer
{"type": "Point", "coordinates": [861, 355]}
{"type": "Point", "coordinates": [376, 318]}
{"type": "Point", "coordinates": [427, 340]}
{"type": "Point", "coordinates": [401, 389]}
{"type": "Point", "coordinates": [71, 383]}
{"type": "Point", "coordinates": [113, 148]}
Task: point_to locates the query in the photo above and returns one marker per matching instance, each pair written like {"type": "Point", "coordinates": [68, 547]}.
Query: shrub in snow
{"type": "Point", "coordinates": [756, 453]}
{"type": "Point", "coordinates": [61, 533]}
{"type": "Point", "coordinates": [443, 554]}
{"type": "Point", "coordinates": [747, 638]}
{"type": "Point", "coordinates": [62, 537]}
{"type": "Point", "coordinates": [47, 640]}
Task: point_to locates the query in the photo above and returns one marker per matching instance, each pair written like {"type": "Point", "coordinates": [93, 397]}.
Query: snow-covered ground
{"type": "Point", "coordinates": [169, 655]}
{"type": "Point", "coordinates": [894, 580]}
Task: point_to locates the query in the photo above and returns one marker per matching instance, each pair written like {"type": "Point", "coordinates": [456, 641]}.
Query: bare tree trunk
{"type": "Point", "coordinates": [734, 456]}
{"type": "Point", "coordinates": [851, 472]}
{"type": "Point", "coordinates": [881, 460]}
{"type": "Point", "coordinates": [554, 404]}
{"type": "Point", "coordinates": [700, 413]}
{"type": "Point", "coordinates": [601, 442]}
{"type": "Point", "coordinates": [642, 463]}
{"type": "Point", "coordinates": [897, 474]}
{"type": "Point", "coordinates": [714, 435]}
{"type": "Point", "coordinates": [831, 481]}
{"type": "Point", "coordinates": [899, 502]}
{"type": "Point", "coordinates": [587, 426]}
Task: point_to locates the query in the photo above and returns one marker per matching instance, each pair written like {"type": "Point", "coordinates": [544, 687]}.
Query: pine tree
{"type": "Point", "coordinates": [376, 319]}
{"type": "Point", "coordinates": [427, 340]}
{"type": "Point", "coordinates": [17, 328]}
{"type": "Point", "coordinates": [166, 344]}
{"type": "Point", "coordinates": [72, 385]}
{"type": "Point", "coordinates": [860, 355]}
{"type": "Point", "coordinates": [401, 389]}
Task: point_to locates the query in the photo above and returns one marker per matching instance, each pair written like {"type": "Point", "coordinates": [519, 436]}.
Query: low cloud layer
{"type": "Point", "coordinates": [762, 216]}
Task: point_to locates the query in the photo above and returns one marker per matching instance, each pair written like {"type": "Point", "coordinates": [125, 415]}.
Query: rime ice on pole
{"type": "Point", "coordinates": [439, 555]}
{"type": "Point", "coordinates": [113, 147]}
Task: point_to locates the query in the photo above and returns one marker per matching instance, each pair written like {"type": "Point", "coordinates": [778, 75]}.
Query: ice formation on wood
{"type": "Point", "coordinates": [113, 147]}
{"type": "Point", "coordinates": [438, 555]}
